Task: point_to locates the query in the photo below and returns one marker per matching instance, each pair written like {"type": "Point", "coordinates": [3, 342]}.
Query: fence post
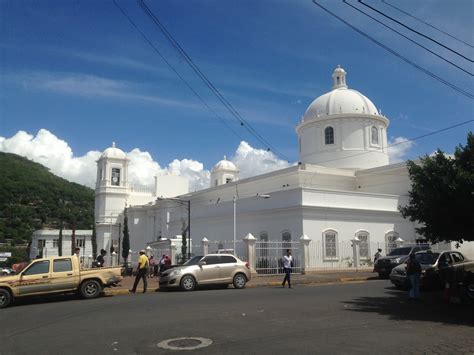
{"type": "Point", "coordinates": [250, 248]}
{"type": "Point", "coordinates": [205, 246]}
{"type": "Point", "coordinates": [355, 251]}
{"type": "Point", "coordinates": [305, 240]}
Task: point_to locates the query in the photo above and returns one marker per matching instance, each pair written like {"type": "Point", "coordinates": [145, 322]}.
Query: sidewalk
{"type": "Point", "coordinates": [314, 277]}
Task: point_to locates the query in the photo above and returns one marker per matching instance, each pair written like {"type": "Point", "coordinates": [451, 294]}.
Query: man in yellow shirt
{"type": "Point", "coordinates": [142, 272]}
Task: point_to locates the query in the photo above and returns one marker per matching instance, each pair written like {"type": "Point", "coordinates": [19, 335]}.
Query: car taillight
{"type": "Point", "coordinates": [247, 265]}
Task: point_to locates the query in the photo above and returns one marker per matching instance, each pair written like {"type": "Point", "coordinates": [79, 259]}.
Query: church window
{"type": "Point", "coordinates": [391, 241]}
{"type": "Point", "coordinates": [228, 180]}
{"type": "Point", "coordinates": [263, 250]}
{"type": "Point", "coordinates": [374, 135]}
{"type": "Point", "coordinates": [80, 243]}
{"type": "Point", "coordinates": [216, 182]}
{"type": "Point", "coordinates": [286, 239]}
{"type": "Point", "coordinates": [264, 236]}
{"type": "Point", "coordinates": [329, 135]}
{"type": "Point", "coordinates": [115, 176]}
{"type": "Point", "coordinates": [338, 80]}
{"type": "Point", "coordinates": [364, 245]}
{"type": "Point", "coordinates": [330, 245]}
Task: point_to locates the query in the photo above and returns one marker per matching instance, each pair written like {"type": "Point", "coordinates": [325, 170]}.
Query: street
{"type": "Point", "coordinates": [361, 318]}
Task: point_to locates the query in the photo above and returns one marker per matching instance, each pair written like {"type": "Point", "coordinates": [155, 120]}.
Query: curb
{"type": "Point", "coordinates": [123, 291]}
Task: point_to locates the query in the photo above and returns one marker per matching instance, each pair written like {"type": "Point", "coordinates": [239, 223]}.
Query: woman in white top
{"type": "Point", "coordinates": [287, 261]}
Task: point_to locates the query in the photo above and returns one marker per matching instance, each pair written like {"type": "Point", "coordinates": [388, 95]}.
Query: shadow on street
{"type": "Point", "coordinates": [431, 308]}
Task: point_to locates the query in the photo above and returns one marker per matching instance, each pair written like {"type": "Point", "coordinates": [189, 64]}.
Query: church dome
{"type": "Point", "coordinates": [340, 100]}
{"type": "Point", "coordinates": [225, 165]}
{"type": "Point", "coordinates": [113, 152]}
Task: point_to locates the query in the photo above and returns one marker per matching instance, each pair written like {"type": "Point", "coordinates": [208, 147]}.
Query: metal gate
{"type": "Point", "coordinates": [269, 257]}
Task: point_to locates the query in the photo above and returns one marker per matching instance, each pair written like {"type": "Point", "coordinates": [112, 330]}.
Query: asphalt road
{"type": "Point", "coordinates": [367, 317]}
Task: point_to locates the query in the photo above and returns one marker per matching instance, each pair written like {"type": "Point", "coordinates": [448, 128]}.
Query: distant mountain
{"type": "Point", "coordinates": [33, 198]}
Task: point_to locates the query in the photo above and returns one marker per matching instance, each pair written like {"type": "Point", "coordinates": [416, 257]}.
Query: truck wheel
{"type": "Point", "coordinates": [5, 298]}
{"type": "Point", "coordinates": [187, 283]}
{"type": "Point", "coordinates": [239, 281]}
{"type": "Point", "coordinates": [90, 289]}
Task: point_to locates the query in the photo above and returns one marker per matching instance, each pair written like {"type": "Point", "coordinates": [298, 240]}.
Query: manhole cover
{"type": "Point", "coordinates": [185, 343]}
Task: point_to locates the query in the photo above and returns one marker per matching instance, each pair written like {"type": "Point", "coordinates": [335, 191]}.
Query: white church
{"type": "Point", "coordinates": [342, 190]}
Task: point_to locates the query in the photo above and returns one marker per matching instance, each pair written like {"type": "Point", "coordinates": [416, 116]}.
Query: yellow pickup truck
{"type": "Point", "coordinates": [57, 275]}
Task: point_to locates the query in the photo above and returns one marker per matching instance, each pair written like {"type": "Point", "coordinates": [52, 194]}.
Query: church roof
{"type": "Point", "coordinates": [225, 164]}
{"type": "Point", "coordinates": [113, 152]}
{"type": "Point", "coordinates": [340, 100]}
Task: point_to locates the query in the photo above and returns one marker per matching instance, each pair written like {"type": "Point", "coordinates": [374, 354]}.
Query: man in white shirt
{"type": "Point", "coordinates": [287, 261]}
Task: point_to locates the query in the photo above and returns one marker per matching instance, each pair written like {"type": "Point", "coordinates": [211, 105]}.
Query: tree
{"type": "Point", "coordinates": [442, 195]}
{"type": "Point", "coordinates": [94, 242]}
{"type": "Point", "coordinates": [126, 238]}
{"type": "Point", "coordinates": [184, 246]}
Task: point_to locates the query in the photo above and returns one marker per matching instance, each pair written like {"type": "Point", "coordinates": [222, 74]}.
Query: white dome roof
{"type": "Point", "coordinates": [340, 100]}
{"type": "Point", "coordinates": [113, 152]}
{"type": "Point", "coordinates": [225, 165]}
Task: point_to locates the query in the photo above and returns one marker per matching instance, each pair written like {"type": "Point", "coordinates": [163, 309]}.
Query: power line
{"type": "Point", "coordinates": [176, 72]}
{"type": "Point", "coordinates": [206, 80]}
{"type": "Point", "coordinates": [406, 37]}
{"type": "Point", "coordinates": [427, 24]}
{"type": "Point", "coordinates": [415, 31]}
{"type": "Point", "coordinates": [426, 71]}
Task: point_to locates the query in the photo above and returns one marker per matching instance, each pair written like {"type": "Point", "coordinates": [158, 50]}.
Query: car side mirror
{"type": "Point", "coordinates": [201, 263]}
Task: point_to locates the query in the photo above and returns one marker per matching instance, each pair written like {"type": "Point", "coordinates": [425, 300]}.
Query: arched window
{"type": "Point", "coordinates": [374, 134]}
{"type": "Point", "coordinates": [329, 135]}
{"type": "Point", "coordinates": [364, 245]}
{"type": "Point", "coordinates": [264, 245]}
{"type": "Point", "coordinates": [391, 241]}
{"type": "Point", "coordinates": [264, 237]}
{"type": "Point", "coordinates": [330, 245]}
{"type": "Point", "coordinates": [286, 239]}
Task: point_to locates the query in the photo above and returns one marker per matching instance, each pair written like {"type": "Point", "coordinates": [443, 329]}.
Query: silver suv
{"type": "Point", "coordinates": [212, 269]}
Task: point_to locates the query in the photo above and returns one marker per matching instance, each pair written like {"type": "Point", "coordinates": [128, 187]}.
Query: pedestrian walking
{"type": "Point", "coordinates": [287, 264]}
{"type": "Point", "coordinates": [377, 256]}
{"type": "Point", "coordinates": [142, 271]}
{"type": "Point", "coordinates": [414, 275]}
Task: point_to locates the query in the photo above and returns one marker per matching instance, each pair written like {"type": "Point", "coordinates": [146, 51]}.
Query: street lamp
{"type": "Point", "coordinates": [234, 201]}
{"type": "Point", "coordinates": [184, 203]}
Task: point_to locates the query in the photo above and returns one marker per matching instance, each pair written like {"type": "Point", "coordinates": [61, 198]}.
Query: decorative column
{"type": "Point", "coordinates": [205, 246]}
{"type": "Point", "coordinates": [249, 241]}
{"type": "Point", "coordinates": [355, 251]}
{"type": "Point", "coordinates": [305, 240]}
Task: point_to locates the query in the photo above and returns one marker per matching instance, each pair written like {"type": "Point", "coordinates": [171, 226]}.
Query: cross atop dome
{"type": "Point", "coordinates": [339, 78]}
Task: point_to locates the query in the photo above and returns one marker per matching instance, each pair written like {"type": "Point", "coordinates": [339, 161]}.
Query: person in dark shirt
{"type": "Point", "coordinates": [100, 261]}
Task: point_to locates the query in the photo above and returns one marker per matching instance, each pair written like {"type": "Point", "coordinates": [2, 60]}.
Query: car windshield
{"type": "Point", "coordinates": [193, 261]}
{"type": "Point", "coordinates": [400, 251]}
{"type": "Point", "coordinates": [427, 258]}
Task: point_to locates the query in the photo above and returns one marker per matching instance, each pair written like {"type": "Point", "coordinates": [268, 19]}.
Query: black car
{"type": "Point", "coordinates": [385, 264]}
{"type": "Point", "coordinates": [429, 262]}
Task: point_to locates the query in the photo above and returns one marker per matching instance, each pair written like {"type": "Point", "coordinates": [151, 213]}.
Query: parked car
{"type": "Point", "coordinates": [6, 271]}
{"type": "Point", "coordinates": [429, 270]}
{"type": "Point", "coordinates": [459, 271]}
{"type": "Point", "coordinates": [57, 275]}
{"type": "Point", "coordinates": [212, 269]}
{"type": "Point", "coordinates": [385, 264]}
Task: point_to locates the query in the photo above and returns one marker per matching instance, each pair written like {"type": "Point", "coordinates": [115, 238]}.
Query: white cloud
{"type": "Point", "coordinates": [252, 162]}
{"type": "Point", "coordinates": [56, 154]}
{"type": "Point", "coordinates": [398, 149]}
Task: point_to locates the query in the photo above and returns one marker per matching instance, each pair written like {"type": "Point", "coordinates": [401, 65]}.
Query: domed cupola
{"type": "Point", "coordinates": [341, 124]}
{"type": "Point", "coordinates": [112, 168]}
{"type": "Point", "coordinates": [224, 172]}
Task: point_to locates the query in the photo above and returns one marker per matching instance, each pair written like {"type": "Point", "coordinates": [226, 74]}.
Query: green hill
{"type": "Point", "coordinates": [33, 198]}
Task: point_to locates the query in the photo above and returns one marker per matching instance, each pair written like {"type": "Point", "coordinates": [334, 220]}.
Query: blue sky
{"type": "Point", "coordinates": [79, 70]}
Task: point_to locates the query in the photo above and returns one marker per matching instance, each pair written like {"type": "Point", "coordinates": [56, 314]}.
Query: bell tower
{"type": "Point", "coordinates": [111, 192]}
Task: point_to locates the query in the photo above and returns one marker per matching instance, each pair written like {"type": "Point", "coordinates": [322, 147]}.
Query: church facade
{"type": "Point", "coordinates": [342, 189]}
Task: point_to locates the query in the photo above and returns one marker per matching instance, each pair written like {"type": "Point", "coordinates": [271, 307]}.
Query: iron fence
{"type": "Point", "coordinates": [269, 257]}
